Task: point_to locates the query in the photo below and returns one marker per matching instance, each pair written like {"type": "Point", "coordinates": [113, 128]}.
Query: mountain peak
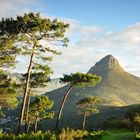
{"type": "Point", "coordinates": [107, 63]}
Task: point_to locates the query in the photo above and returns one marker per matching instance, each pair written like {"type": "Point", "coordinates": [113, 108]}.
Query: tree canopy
{"type": "Point", "coordinates": [76, 79]}
{"type": "Point", "coordinates": [88, 106]}
{"type": "Point", "coordinates": [81, 79]}
{"type": "Point", "coordinates": [8, 91]}
{"type": "Point", "coordinates": [39, 109]}
{"type": "Point", "coordinates": [36, 37]}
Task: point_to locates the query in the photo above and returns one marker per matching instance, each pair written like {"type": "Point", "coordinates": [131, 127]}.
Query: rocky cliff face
{"type": "Point", "coordinates": [106, 64]}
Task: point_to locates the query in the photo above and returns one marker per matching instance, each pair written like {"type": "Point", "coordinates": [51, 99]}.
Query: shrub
{"type": "Point", "coordinates": [71, 134]}
{"type": "Point", "coordinates": [116, 123]}
{"type": "Point", "coordinates": [138, 136]}
{"type": "Point", "coordinates": [64, 134]}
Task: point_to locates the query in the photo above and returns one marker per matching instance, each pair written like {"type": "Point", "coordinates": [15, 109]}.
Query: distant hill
{"type": "Point", "coordinates": [118, 88]}
{"type": "Point", "coordinates": [51, 85]}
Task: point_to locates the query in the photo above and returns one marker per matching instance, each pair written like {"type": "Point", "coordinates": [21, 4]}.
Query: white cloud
{"type": "Point", "coordinates": [88, 44]}
{"type": "Point", "coordinates": [11, 8]}
{"type": "Point", "coordinates": [93, 43]}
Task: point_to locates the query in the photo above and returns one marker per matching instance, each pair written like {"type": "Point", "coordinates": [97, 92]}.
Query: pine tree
{"type": "Point", "coordinates": [76, 79]}
{"type": "Point", "coordinates": [39, 110]}
{"type": "Point", "coordinates": [39, 78]}
{"type": "Point", "coordinates": [9, 34]}
{"type": "Point", "coordinates": [36, 30]}
{"type": "Point", "coordinates": [8, 53]}
{"type": "Point", "coordinates": [8, 91]}
{"type": "Point", "coordinates": [88, 106]}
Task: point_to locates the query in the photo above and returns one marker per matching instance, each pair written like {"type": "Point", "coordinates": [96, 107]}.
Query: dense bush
{"type": "Point", "coordinates": [138, 136]}
{"type": "Point", "coordinates": [115, 123]}
{"type": "Point", "coordinates": [64, 134]}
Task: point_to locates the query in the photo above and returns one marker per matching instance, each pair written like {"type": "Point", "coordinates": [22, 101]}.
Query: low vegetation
{"type": "Point", "coordinates": [71, 134]}
{"type": "Point", "coordinates": [64, 134]}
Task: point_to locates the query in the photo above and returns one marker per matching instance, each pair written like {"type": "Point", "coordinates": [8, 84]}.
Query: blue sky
{"type": "Point", "coordinates": [112, 14]}
{"type": "Point", "coordinates": [97, 28]}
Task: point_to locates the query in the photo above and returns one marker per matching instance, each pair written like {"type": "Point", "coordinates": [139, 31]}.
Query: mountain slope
{"type": "Point", "coordinates": [117, 88]}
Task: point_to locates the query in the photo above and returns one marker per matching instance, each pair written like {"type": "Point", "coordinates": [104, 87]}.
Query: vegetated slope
{"type": "Point", "coordinates": [118, 88]}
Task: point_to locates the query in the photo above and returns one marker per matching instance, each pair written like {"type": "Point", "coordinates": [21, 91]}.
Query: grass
{"type": "Point", "coordinates": [119, 134]}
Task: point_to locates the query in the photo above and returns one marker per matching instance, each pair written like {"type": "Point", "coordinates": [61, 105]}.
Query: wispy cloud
{"type": "Point", "coordinates": [91, 43]}
{"type": "Point", "coordinates": [11, 8]}
{"type": "Point", "coordinates": [88, 44]}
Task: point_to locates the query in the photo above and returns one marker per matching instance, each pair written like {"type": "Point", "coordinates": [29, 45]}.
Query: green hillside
{"type": "Point", "coordinates": [118, 88]}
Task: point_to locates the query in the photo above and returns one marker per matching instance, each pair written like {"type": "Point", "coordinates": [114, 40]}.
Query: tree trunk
{"type": "Point", "coordinates": [26, 91]}
{"type": "Point", "coordinates": [27, 112]}
{"type": "Point", "coordinates": [62, 106]}
{"type": "Point", "coordinates": [28, 126]}
{"type": "Point", "coordinates": [35, 127]}
{"type": "Point", "coordinates": [84, 121]}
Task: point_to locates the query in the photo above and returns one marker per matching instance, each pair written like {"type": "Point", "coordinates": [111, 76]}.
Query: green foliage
{"type": "Point", "coordinates": [81, 79]}
{"type": "Point", "coordinates": [40, 76]}
{"type": "Point", "coordinates": [89, 105]}
{"type": "Point", "coordinates": [138, 136]}
{"type": "Point", "coordinates": [32, 136]}
{"type": "Point", "coordinates": [9, 28]}
{"type": "Point", "coordinates": [134, 116]}
{"type": "Point", "coordinates": [116, 123]}
{"type": "Point", "coordinates": [118, 134]}
{"type": "Point", "coordinates": [76, 79]}
{"type": "Point", "coordinates": [64, 134]}
{"type": "Point", "coordinates": [8, 51]}
{"type": "Point", "coordinates": [39, 109]}
{"type": "Point", "coordinates": [71, 134]}
{"type": "Point", "coordinates": [40, 103]}
{"type": "Point", "coordinates": [36, 36]}
{"type": "Point", "coordinates": [38, 28]}
{"type": "Point", "coordinates": [8, 91]}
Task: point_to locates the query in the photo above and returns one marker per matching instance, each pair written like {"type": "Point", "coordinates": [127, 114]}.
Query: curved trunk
{"type": "Point", "coordinates": [62, 106]}
{"type": "Point", "coordinates": [84, 121]}
{"type": "Point", "coordinates": [26, 90]}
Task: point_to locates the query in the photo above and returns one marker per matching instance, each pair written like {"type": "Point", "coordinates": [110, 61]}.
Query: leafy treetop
{"type": "Point", "coordinates": [89, 105]}
{"type": "Point", "coordinates": [39, 76]}
{"type": "Point", "coordinates": [8, 91]}
{"type": "Point", "coordinates": [81, 79]}
{"type": "Point", "coordinates": [40, 106]}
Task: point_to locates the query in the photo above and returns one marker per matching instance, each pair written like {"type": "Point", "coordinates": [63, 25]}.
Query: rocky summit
{"type": "Point", "coordinates": [108, 63]}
